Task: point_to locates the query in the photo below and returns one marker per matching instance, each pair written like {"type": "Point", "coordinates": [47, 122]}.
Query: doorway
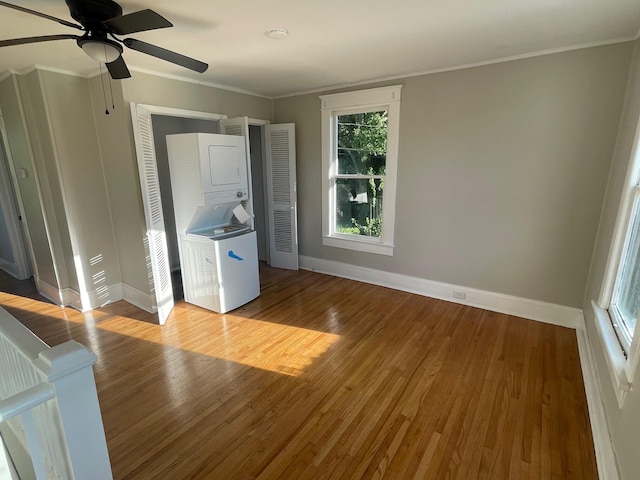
{"type": "Point", "coordinates": [164, 125]}
{"type": "Point", "coordinates": [281, 167]}
{"type": "Point", "coordinates": [14, 255]}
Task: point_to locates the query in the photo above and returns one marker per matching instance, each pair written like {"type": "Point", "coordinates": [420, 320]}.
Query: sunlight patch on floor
{"type": "Point", "coordinates": [40, 308]}
{"type": "Point", "coordinates": [275, 347]}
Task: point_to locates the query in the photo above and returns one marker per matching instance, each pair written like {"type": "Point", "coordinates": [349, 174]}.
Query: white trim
{"type": "Point", "coordinates": [114, 293]}
{"type": "Point", "coordinates": [143, 300]}
{"type": "Point", "coordinates": [48, 291]}
{"type": "Point", "coordinates": [361, 98]}
{"type": "Point", "coordinates": [622, 220]}
{"type": "Point", "coordinates": [497, 302]}
{"type": "Point", "coordinates": [179, 112]}
{"type": "Point", "coordinates": [96, 73]}
{"type": "Point", "coordinates": [31, 68]}
{"type": "Point", "coordinates": [22, 253]}
{"type": "Point", "coordinates": [360, 244]}
{"type": "Point", "coordinates": [39, 190]}
{"type": "Point", "coordinates": [197, 82]}
{"type": "Point", "coordinates": [62, 297]}
{"type": "Point", "coordinates": [605, 455]}
{"type": "Point", "coordinates": [453, 68]}
{"type": "Point", "coordinates": [328, 88]}
{"type": "Point", "coordinates": [257, 122]}
{"type": "Point", "coordinates": [356, 102]}
{"type": "Point", "coordinates": [613, 353]}
{"type": "Point", "coordinates": [72, 299]}
{"type": "Point", "coordinates": [110, 294]}
{"type": "Point", "coordinates": [12, 268]}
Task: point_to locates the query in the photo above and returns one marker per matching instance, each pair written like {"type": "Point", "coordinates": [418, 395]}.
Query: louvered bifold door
{"type": "Point", "coordinates": [156, 235]}
{"type": "Point", "coordinates": [281, 193]}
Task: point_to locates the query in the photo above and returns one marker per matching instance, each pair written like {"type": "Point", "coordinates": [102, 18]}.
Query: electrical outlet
{"type": "Point", "coordinates": [459, 294]}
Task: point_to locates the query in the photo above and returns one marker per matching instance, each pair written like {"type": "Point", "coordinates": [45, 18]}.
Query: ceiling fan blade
{"type": "Point", "coordinates": [137, 22]}
{"type": "Point", "coordinates": [43, 15]}
{"type": "Point", "coordinates": [45, 38]}
{"type": "Point", "coordinates": [167, 55]}
{"type": "Point", "coordinates": [118, 69]}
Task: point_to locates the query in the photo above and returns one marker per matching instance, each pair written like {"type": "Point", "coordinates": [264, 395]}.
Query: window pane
{"type": "Point", "coordinates": [362, 143]}
{"type": "Point", "coordinates": [627, 297]}
{"type": "Point", "coordinates": [359, 206]}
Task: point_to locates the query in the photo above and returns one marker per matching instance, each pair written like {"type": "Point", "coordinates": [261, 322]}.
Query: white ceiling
{"type": "Point", "coordinates": [330, 42]}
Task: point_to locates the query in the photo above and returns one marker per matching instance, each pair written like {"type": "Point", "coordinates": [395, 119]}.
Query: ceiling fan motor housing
{"type": "Point", "coordinates": [91, 13]}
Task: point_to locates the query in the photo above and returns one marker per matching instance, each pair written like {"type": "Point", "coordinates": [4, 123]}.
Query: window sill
{"type": "Point", "coordinates": [614, 355]}
{"type": "Point", "coordinates": [359, 245]}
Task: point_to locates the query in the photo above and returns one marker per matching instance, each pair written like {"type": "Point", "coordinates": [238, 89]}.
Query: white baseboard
{"type": "Point", "coordinates": [605, 455]}
{"type": "Point", "coordinates": [72, 298]}
{"type": "Point", "coordinates": [497, 302]}
{"type": "Point", "coordinates": [142, 300]}
{"type": "Point", "coordinates": [97, 298]}
{"type": "Point", "coordinates": [120, 291]}
{"type": "Point", "coordinates": [13, 269]}
{"type": "Point", "coordinates": [65, 297]}
{"type": "Point", "coordinates": [49, 291]}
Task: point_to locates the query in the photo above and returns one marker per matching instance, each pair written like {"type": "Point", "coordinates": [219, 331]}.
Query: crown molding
{"type": "Point", "coordinates": [452, 68]}
{"type": "Point", "coordinates": [199, 82]}
{"type": "Point", "coordinates": [44, 68]}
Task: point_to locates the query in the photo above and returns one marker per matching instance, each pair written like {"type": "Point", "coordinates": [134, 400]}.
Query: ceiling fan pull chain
{"type": "Point", "coordinates": [104, 94]}
{"type": "Point", "coordinates": [113, 105]}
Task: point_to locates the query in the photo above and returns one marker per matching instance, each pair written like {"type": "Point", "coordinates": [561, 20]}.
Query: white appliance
{"type": "Point", "coordinates": [214, 219]}
{"type": "Point", "coordinates": [222, 273]}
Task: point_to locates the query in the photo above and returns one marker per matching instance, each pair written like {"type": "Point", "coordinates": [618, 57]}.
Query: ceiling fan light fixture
{"type": "Point", "coordinates": [103, 51]}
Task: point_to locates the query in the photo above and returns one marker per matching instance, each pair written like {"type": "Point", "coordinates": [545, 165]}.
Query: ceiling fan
{"type": "Point", "coordinates": [101, 21]}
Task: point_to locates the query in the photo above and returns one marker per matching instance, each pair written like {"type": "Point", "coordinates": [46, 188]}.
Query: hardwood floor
{"type": "Point", "coordinates": [322, 377]}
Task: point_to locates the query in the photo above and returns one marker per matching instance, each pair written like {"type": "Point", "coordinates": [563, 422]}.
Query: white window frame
{"type": "Point", "coordinates": [622, 356]}
{"type": "Point", "coordinates": [361, 101]}
{"type": "Point", "coordinates": [633, 213]}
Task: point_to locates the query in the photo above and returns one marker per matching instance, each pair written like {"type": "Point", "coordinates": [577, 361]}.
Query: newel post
{"type": "Point", "coordinates": [69, 369]}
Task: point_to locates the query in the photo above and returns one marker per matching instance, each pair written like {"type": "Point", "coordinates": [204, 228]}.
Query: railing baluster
{"type": "Point", "coordinates": [31, 434]}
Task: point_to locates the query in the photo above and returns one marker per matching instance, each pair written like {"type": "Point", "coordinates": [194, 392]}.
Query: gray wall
{"type": "Point", "coordinates": [86, 205]}
{"type": "Point", "coordinates": [51, 201]}
{"type": "Point", "coordinates": [501, 174]}
{"type": "Point", "coordinates": [624, 423]}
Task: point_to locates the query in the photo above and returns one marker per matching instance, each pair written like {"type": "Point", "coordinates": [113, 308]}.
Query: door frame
{"type": "Point", "coordinates": [152, 265]}
{"type": "Point", "coordinates": [11, 202]}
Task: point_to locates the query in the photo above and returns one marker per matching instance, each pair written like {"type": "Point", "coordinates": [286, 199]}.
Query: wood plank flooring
{"type": "Point", "coordinates": [327, 378]}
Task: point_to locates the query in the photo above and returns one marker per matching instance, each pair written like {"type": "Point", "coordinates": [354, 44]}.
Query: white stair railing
{"type": "Point", "coordinates": [49, 403]}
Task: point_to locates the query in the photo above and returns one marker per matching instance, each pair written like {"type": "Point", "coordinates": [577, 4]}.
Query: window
{"type": "Point", "coordinates": [617, 310]}
{"type": "Point", "coordinates": [625, 300]}
{"type": "Point", "coordinates": [360, 155]}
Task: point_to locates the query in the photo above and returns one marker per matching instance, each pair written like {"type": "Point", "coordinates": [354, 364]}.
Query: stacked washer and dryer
{"type": "Point", "coordinates": [212, 203]}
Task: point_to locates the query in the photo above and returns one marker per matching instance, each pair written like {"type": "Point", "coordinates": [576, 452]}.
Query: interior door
{"type": "Point", "coordinates": [156, 236]}
{"type": "Point", "coordinates": [281, 195]}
